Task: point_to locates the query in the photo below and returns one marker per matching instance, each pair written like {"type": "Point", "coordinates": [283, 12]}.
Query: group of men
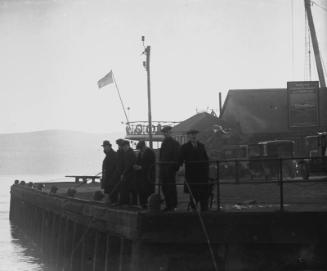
{"type": "Point", "coordinates": [130, 179]}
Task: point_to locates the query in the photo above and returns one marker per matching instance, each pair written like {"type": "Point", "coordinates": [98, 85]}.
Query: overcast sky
{"type": "Point", "coordinates": [52, 53]}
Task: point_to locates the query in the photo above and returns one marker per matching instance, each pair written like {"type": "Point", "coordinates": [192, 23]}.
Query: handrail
{"type": "Point", "coordinates": [280, 179]}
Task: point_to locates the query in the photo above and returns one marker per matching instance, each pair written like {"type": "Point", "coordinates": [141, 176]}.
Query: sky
{"type": "Point", "coordinates": [53, 52]}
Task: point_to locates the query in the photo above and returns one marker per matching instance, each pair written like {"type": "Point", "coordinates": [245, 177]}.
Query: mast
{"type": "Point", "coordinates": [146, 64]}
{"type": "Point", "coordinates": [307, 4]}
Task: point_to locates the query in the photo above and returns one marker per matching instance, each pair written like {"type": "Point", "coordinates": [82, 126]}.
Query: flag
{"type": "Point", "coordinates": [106, 80]}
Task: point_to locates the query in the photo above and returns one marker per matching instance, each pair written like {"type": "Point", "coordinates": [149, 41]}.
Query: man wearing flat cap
{"type": "Point", "coordinates": [193, 154]}
{"type": "Point", "coordinates": [168, 158]}
{"type": "Point", "coordinates": [144, 172]}
{"type": "Point", "coordinates": [109, 165]}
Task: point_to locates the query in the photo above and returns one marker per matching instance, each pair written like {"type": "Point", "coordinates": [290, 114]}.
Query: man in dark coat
{"type": "Point", "coordinates": [109, 166]}
{"type": "Point", "coordinates": [168, 157]}
{"type": "Point", "coordinates": [128, 193]}
{"type": "Point", "coordinates": [194, 155]}
{"type": "Point", "coordinates": [144, 172]}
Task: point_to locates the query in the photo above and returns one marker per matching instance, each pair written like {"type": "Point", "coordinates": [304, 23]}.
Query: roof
{"type": "Point", "coordinates": [200, 121]}
{"type": "Point", "coordinates": [256, 110]}
{"type": "Point", "coordinates": [262, 110]}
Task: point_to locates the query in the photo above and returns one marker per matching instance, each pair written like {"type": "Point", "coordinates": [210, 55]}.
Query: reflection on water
{"type": "Point", "coordinates": [18, 252]}
{"type": "Point", "coordinates": [26, 252]}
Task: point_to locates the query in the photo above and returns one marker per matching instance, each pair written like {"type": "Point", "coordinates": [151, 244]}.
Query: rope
{"type": "Point", "coordinates": [204, 229]}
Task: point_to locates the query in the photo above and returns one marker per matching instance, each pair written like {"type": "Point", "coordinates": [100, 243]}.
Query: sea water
{"type": "Point", "coordinates": [18, 252]}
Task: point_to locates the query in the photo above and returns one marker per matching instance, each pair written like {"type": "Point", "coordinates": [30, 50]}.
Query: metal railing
{"type": "Point", "coordinates": [257, 172]}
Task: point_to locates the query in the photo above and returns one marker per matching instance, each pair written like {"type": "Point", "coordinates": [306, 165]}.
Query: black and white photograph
{"type": "Point", "coordinates": [163, 135]}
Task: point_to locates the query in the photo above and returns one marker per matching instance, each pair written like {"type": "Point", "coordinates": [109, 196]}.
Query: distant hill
{"type": "Point", "coordinates": [52, 152]}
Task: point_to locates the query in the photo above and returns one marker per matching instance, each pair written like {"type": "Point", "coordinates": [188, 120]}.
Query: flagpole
{"type": "Point", "coordinates": [121, 101]}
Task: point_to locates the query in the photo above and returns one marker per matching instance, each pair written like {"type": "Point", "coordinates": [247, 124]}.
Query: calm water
{"type": "Point", "coordinates": [17, 251]}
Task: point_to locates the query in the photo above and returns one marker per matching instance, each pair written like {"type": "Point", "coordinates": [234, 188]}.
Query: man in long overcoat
{"type": "Point", "coordinates": [128, 193]}
{"type": "Point", "coordinates": [193, 154]}
{"type": "Point", "coordinates": [109, 166]}
{"type": "Point", "coordinates": [144, 172]}
{"type": "Point", "coordinates": [168, 158]}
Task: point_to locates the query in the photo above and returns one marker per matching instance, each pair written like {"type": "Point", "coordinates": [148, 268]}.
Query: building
{"type": "Point", "coordinates": [269, 114]}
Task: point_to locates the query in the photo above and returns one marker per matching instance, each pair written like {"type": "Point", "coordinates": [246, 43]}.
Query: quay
{"type": "Point", "coordinates": [79, 233]}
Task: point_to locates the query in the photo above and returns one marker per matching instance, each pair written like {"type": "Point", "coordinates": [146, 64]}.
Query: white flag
{"type": "Point", "coordinates": [106, 80]}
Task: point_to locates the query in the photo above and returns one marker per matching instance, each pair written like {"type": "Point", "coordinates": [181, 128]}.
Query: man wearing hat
{"type": "Point", "coordinates": [128, 193]}
{"type": "Point", "coordinates": [109, 165]}
{"type": "Point", "coordinates": [168, 157]}
{"type": "Point", "coordinates": [144, 172]}
{"type": "Point", "coordinates": [193, 154]}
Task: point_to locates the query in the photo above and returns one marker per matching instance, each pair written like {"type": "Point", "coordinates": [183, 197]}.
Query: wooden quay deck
{"type": "Point", "coordinates": [79, 233]}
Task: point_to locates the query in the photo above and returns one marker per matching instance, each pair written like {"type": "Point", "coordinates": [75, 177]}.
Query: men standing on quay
{"type": "Point", "coordinates": [194, 155]}
{"type": "Point", "coordinates": [109, 166]}
{"type": "Point", "coordinates": [168, 158]}
{"type": "Point", "coordinates": [144, 172]}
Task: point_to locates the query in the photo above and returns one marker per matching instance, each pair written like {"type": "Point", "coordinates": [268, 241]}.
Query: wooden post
{"type": "Point", "coordinates": [107, 253]}
{"type": "Point", "coordinates": [53, 238]}
{"type": "Point", "coordinates": [95, 251]}
{"type": "Point", "coordinates": [281, 185]}
{"type": "Point", "coordinates": [121, 254]}
{"type": "Point", "coordinates": [58, 242]}
{"type": "Point", "coordinates": [82, 252]}
{"type": "Point", "coordinates": [46, 238]}
{"type": "Point", "coordinates": [43, 228]}
{"type": "Point", "coordinates": [78, 250]}
{"type": "Point", "coordinates": [67, 240]}
{"type": "Point", "coordinates": [72, 247]}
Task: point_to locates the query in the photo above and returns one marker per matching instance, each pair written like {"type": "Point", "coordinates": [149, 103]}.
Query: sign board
{"type": "Point", "coordinates": [303, 106]}
{"type": "Point", "coordinates": [139, 130]}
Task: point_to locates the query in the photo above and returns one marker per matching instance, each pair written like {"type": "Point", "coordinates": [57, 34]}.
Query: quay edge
{"type": "Point", "coordinates": [76, 234]}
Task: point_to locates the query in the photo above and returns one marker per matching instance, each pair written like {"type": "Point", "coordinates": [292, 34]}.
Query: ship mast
{"type": "Point", "coordinates": [307, 4]}
{"type": "Point", "coordinates": [146, 65]}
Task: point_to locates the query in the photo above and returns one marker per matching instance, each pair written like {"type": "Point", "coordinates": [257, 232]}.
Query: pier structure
{"type": "Point", "coordinates": [79, 233]}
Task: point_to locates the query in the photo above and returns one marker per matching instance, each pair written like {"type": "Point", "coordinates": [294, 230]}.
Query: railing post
{"type": "Point", "coordinates": [218, 187]}
{"type": "Point", "coordinates": [237, 175]}
{"type": "Point", "coordinates": [281, 188]}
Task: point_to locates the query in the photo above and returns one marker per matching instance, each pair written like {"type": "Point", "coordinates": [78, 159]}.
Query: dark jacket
{"type": "Point", "coordinates": [196, 163]}
{"type": "Point", "coordinates": [120, 165]}
{"type": "Point", "coordinates": [169, 153]}
{"type": "Point", "coordinates": [129, 162]}
{"type": "Point", "coordinates": [147, 161]}
{"type": "Point", "coordinates": [109, 166]}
